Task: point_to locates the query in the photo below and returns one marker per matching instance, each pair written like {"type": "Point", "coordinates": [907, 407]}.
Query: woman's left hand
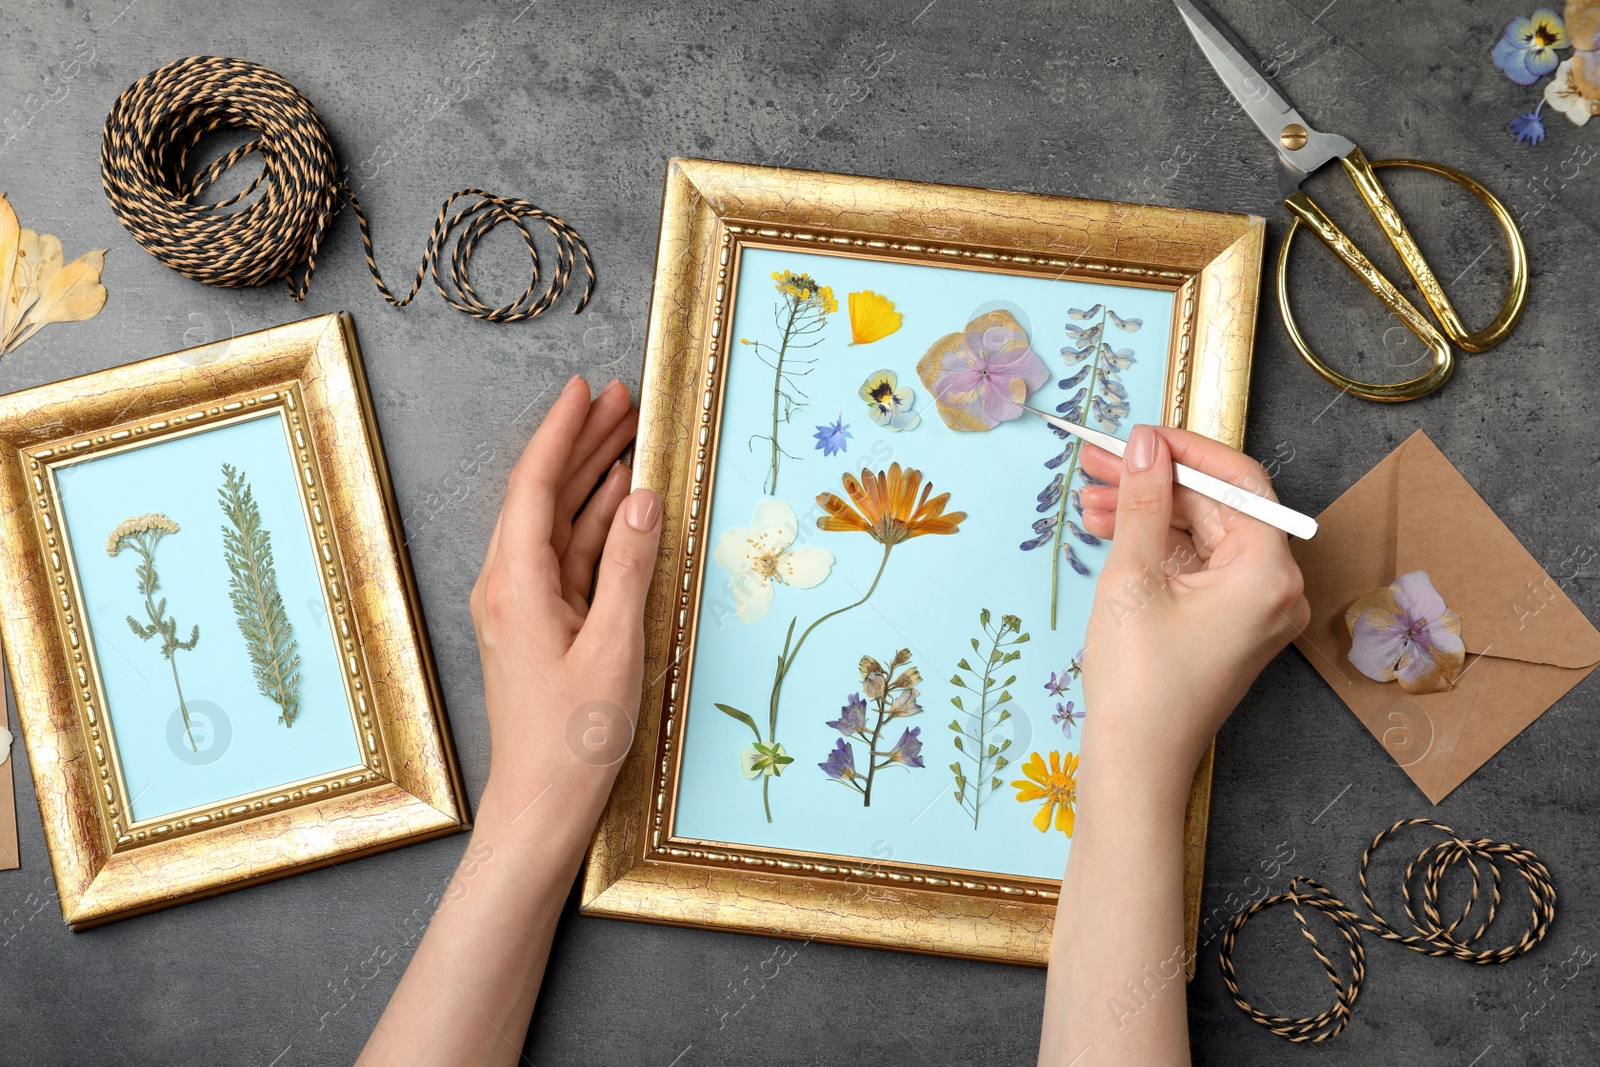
{"type": "Point", "coordinates": [562, 676]}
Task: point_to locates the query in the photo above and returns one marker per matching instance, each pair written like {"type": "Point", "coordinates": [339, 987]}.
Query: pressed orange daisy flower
{"type": "Point", "coordinates": [1056, 786]}
{"type": "Point", "coordinates": [887, 507]}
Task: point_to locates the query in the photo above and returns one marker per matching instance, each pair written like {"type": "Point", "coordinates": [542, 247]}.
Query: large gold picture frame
{"type": "Point", "coordinates": [404, 785]}
{"type": "Point", "coordinates": [637, 869]}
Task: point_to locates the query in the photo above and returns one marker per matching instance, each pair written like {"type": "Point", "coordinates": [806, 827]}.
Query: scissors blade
{"type": "Point", "coordinates": [1268, 511]}
{"type": "Point", "coordinates": [1261, 100]}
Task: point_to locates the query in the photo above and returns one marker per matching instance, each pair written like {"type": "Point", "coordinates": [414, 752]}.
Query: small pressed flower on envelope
{"type": "Point", "coordinates": [1404, 633]}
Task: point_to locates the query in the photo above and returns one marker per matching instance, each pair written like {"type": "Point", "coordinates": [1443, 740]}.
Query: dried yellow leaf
{"type": "Point", "coordinates": [35, 289]}
{"type": "Point", "coordinates": [71, 294]}
{"type": "Point", "coordinates": [10, 235]}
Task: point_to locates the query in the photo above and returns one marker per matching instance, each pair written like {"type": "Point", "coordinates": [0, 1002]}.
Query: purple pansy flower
{"type": "Point", "coordinates": [833, 439]}
{"type": "Point", "coordinates": [1526, 51]}
{"type": "Point", "coordinates": [1403, 632]}
{"type": "Point", "coordinates": [907, 750]}
{"type": "Point", "coordinates": [1066, 717]}
{"type": "Point", "coordinates": [841, 762]}
{"type": "Point", "coordinates": [852, 717]}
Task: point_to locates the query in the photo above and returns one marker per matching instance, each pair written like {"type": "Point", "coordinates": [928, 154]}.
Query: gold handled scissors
{"type": "Point", "coordinates": [1302, 150]}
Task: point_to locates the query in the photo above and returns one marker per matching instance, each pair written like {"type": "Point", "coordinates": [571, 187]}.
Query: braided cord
{"type": "Point", "coordinates": [144, 168]}
{"type": "Point", "coordinates": [1430, 936]}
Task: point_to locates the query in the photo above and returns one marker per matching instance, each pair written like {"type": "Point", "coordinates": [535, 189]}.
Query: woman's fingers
{"type": "Point", "coordinates": [606, 432]}
{"type": "Point", "coordinates": [589, 537]}
{"type": "Point", "coordinates": [1144, 505]}
{"type": "Point", "coordinates": [529, 512]}
{"type": "Point", "coordinates": [1207, 520]}
{"type": "Point", "coordinates": [614, 630]}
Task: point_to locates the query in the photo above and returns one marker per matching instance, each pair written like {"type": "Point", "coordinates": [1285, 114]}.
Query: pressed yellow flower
{"type": "Point", "coordinates": [154, 521]}
{"type": "Point", "coordinates": [1057, 786]}
{"type": "Point", "coordinates": [872, 317]}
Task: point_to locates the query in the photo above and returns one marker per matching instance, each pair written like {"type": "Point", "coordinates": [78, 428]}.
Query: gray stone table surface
{"type": "Point", "coordinates": [578, 107]}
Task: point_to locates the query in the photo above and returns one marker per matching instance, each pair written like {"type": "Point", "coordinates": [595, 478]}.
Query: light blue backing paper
{"type": "Point", "coordinates": [932, 591]}
{"type": "Point", "coordinates": [180, 478]}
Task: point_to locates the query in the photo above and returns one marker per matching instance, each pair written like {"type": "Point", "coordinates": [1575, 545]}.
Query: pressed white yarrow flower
{"type": "Point", "coordinates": [154, 522]}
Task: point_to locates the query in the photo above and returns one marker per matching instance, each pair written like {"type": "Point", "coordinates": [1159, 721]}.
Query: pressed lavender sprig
{"type": "Point", "coordinates": [1100, 397]}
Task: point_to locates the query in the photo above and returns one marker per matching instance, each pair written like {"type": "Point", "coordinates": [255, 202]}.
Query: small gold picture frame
{"type": "Point", "coordinates": [802, 844]}
{"type": "Point", "coordinates": [212, 629]}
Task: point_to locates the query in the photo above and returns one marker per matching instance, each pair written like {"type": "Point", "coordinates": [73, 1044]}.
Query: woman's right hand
{"type": "Point", "coordinates": [1194, 600]}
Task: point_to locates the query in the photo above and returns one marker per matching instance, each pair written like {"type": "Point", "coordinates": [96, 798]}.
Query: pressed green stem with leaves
{"type": "Point", "coordinates": [986, 756]}
{"type": "Point", "coordinates": [257, 604]}
{"type": "Point", "coordinates": [802, 311]}
{"type": "Point", "coordinates": [142, 534]}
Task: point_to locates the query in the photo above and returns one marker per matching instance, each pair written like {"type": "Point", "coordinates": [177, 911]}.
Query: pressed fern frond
{"type": "Point", "coordinates": [257, 606]}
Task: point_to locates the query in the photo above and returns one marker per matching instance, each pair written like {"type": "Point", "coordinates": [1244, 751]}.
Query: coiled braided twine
{"type": "Point", "coordinates": [1430, 935]}
{"type": "Point", "coordinates": [144, 167]}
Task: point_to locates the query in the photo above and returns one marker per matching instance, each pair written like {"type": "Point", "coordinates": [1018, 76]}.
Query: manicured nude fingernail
{"type": "Point", "coordinates": [1141, 449]}
{"type": "Point", "coordinates": [642, 510]}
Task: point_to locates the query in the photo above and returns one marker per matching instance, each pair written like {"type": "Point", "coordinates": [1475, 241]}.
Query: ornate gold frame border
{"type": "Point", "coordinates": [408, 787]}
{"type": "Point", "coordinates": [636, 869]}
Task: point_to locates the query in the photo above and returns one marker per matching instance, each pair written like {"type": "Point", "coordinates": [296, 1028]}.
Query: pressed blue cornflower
{"type": "Point", "coordinates": [1528, 128]}
{"type": "Point", "coordinates": [835, 438]}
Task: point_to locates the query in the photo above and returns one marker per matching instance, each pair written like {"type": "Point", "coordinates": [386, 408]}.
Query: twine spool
{"type": "Point", "coordinates": [144, 168]}
{"type": "Point", "coordinates": [1431, 936]}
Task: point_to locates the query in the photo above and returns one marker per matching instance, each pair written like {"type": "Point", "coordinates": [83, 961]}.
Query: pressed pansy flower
{"type": "Point", "coordinates": [1056, 785]}
{"type": "Point", "coordinates": [980, 377]}
{"type": "Point", "coordinates": [852, 717]}
{"type": "Point", "coordinates": [889, 402]}
{"type": "Point", "coordinates": [1066, 717]}
{"type": "Point", "coordinates": [1566, 95]}
{"type": "Point", "coordinates": [1403, 632]}
{"type": "Point", "coordinates": [1526, 51]}
{"type": "Point", "coordinates": [887, 507]}
{"type": "Point", "coordinates": [908, 750]}
{"type": "Point", "coordinates": [833, 438]}
{"type": "Point", "coordinates": [762, 759]}
{"type": "Point", "coordinates": [762, 555]}
{"type": "Point", "coordinates": [841, 763]}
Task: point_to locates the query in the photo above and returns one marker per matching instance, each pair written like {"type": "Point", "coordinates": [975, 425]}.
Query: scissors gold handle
{"type": "Point", "coordinates": [1363, 174]}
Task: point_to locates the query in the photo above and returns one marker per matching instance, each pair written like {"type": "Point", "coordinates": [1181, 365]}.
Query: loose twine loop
{"type": "Point", "coordinates": [1431, 937]}
{"type": "Point", "coordinates": [144, 156]}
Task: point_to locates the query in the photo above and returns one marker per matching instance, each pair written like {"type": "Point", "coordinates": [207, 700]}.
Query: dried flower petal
{"type": "Point", "coordinates": [1403, 632]}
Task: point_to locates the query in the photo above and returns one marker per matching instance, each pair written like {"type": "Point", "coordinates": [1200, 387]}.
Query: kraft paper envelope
{"type": "Point", "coordinates": [9, 859]}
{"type": "Point", "coordinates": [1527, 644]}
